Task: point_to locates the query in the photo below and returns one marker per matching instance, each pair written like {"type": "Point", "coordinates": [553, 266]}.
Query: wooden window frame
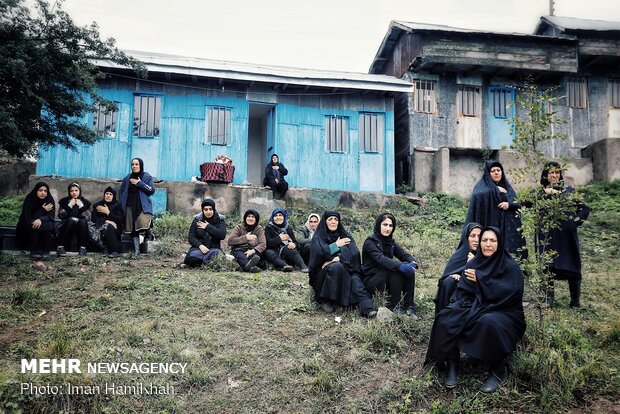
{"type": "Point", "coordinates": [425, 96]}
{"type": "Point", "coordinates": [613, 93]}
{"type": "Point", "coordinates": [577, 92]}
{"type": "Point", "coordinates": [147, 116]}
{"type": "Point", "coordinates": [218, 125]}
{"type": "Point", "coordinates": [371, 131]}
{"type": "Point", "coordinates": [337, 134]}
{"type": "Point", "coordinates": [469, 101]}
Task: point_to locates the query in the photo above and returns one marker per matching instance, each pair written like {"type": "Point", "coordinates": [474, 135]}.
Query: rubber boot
{"type": "Point", "coordinates": [136, 245]}
{"type": "Point", "coordinates": [452, 372]}
{"type": "Point", "coordinates": [574, 287]}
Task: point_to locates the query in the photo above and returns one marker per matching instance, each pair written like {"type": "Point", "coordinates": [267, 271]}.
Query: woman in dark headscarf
{"type": "Point", "coordinates": [274, 177]}
{"type": "Point", "coordinates": [464, 252]}
{"type": "Point", "coordinates": [107, 223]}
{"type": "Point", "coordinates": [206, 232]}
{"type": "Point", "coordinates": [485, 317]}
{"type": "Point", "coordinates": [563, 239]}
{"type": "Point", "coordinates": [36, 221]}
{"type": "Point", "coordinates": [247, 241]}
{"type": "Point", "coordinates": [389, 267]}
{"type": "Point", "coordinates": [335, 268]}
{"type": "Point", "coordinates": [74, 211]}
{"type": "Point", "coordinates": [282, 249]}
{"type": "Point", "coordinates": [136, 189]}
{"type": "Point", "coordinates": [493, 203]}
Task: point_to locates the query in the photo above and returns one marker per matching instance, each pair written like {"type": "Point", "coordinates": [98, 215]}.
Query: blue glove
{"type": "Point", "coordinates": [414, 264]}
{"type": "Point", "coordinates": [406, 269]}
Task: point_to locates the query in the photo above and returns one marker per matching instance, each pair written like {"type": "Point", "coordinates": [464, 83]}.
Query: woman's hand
{"type": "Point", "coordinates": [284, 236]}
{"type": "Point", "coordinates": [111, 223]}
{"type": "Point", "coordinates": [503, 205]}
{"type": "Point", "coordinates": [456, 277]}
{"type": "Point", "coordinates": [470, 256]}
{"type": "Point", "coordinates": [204, 249]}
{"type": "Point", "coordinates": [550, 190]}
{"type": "Point", "coordinates": [202, 225]}
{"type": "Point", "coordinates": [79, 203]}
{"type": "Point", "coordinates": [291, 245]}
{"type": "Point", "coordinates": [334, 260]}
{"type": "Point", "coordinates": [134, 181]}
{"type": "Point", "coordinates": [103, 209]}
{"type": "Point", "coordinates": [71, 202]}
{"type": "Point", "coordinates": [275, 167]}
{"type": "Point", "coordinates": [48, 206]}
{"type": "Point", "coordinates": [343, 242]}
{"type": "Point", "coordinates": [36, 224]}
{"type": "Point", "coordinates": [251, 237]}
{"type": "Point", "coordinates": [470, 274]}
{"type": "Point", "coordinates": [501, 189]}
{"type": "Point", "coordinates": [250, 252]}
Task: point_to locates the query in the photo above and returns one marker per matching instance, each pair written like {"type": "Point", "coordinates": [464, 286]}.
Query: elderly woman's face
{"type": "Point", "coordinates": [488, 243]}
{"type": "Point", "coordinates": [278, 218]}
{"type": "Point", "coordinates": [207, 211]}
{"type": "Point", "coordinates": [553, 175]}
{"type": "Point", "coordinates": [250, 220]}
{"type": "Point", "coordinates": [474, 239]}
{"type": "Point", "coordinates": [387, 227]}
{"type": "Point", "coordinates": [42, 192]}
{"type": "Point", "coordinates": [332, 223]}
{"type": "Point", "coordinates": [496, 174]}
{"type": "Point", "coordinates": [108, 197]}
{"type": "Point", "coordinates": [313, 222]}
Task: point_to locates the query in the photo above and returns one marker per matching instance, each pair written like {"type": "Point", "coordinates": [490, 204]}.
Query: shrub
{"type": "Point", "coordinates": [170, 225]}
{"type": "Point", "coordinates": [10, 209]}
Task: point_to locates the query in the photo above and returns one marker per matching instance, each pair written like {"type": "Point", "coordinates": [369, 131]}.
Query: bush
{"type": "Point", "coordinates": [174, 226]}
{"type": "Point", "coordinates": [10, 209]}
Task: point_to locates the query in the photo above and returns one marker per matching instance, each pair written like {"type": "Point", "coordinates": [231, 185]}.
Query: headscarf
{"type": "Point", "coordinates": [458, 260]}
{"type": "Point", "coordinates": [201, 216]}
{"type": "Point", "coordinates": [246, 226]}
{"type": "Point", "coordinates": [282, 211]}
{"type": "Point", "coordinates": [32, 209]}
{"type": "Point", "coordinates": [323, 233]}
{"type": "Point", "coordinates": [387, 242]}
{"type": "Point", "coordinates": [544, 181]}
{"type": "Point", "coordinates": [140, 173]}
{"type": "Point", "coordinates": [307, 224]}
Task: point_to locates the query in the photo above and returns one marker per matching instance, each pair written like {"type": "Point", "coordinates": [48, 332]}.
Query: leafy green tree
{"type": "Point", "coordinates": [47, 76]}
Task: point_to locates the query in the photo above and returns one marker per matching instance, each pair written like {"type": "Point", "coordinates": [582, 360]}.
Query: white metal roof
{"type": "Point", "coordinates": [163, 63]}
{"type": "Point", "coordinates": [572, 23]}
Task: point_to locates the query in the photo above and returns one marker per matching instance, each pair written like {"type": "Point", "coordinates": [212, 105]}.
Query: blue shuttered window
{"type": "Point", "coordinates": [372, 132]}
{"type": "Point", "coordinates": [337, 133]}
{"type": "Point", "coordinates": [218, 121]}
{"type": "Point", "coordinates": [146, 116]}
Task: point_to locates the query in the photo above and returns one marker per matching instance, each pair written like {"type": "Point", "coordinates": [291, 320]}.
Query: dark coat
{"type": "Point", "coordinates": [270, 178]}
{"type": "Point", "coordinates": [32, 209]}
{"type": "Point", "coordinates": [116, 212]}
{"type": "Point", "coordinates": [483, 208]}
{"type": "Point", "coordinates": [485, 318]}
{"type": "Point", "coordinates": [272, 235]}
{"type": "Point", "coordinates": [211, 236]}
{"type": "Point", "coordinates": [146, 187]}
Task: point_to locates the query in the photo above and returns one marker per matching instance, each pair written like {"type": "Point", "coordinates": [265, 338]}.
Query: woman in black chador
{"type": "Point", "coordinates": [563, 239]}
{"type": "Point", "coordinates": [135, 196]}
{"type": "Point", "coordinates": [36, 222]}
{"type": "Point", "coordinates": [206, 232]}
{"type": "Point", "coordinates": [74, 211]}
{"type": "Point", "coordinates": [389, 267]}
{"type": "Point", "coordinates": [465, 251]}
{"type": "Point", "coordinates": [485, 317]}
{"type": "Point", "coordinates": [107, 223]}
{"type": "Point", "coordinates": [274, 177]}
{"type": "Point", "coordinates": [493, 203]}
{"type": "Point", "coordinates": [335, 270]}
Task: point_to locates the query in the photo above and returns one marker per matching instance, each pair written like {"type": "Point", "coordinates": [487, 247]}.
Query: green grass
{"type": "Point", "coordinates": [258, 343]}
{"type": "Point", "coordinates": [10, 209]}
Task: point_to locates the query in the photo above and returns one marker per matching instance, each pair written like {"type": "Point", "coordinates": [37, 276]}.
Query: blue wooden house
{"type": "Point", "coordinates": [332, 130]}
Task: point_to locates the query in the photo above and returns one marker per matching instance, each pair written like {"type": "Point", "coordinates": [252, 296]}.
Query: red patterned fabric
{"type": "Point", "coordinates": [216, 172]}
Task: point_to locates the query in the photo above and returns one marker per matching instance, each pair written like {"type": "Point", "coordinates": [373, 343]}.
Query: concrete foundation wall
{"type": "Point", "coordinates": [605, 155]}
{"type": "Point", "coordinates": [14, 176]}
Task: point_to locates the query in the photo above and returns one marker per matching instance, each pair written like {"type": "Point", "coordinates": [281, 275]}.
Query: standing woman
{"type": "Point", "coordinates": [563, 239]}
{"type": "Point", "coordinates": [465, 251]}
{"type": "Point", "coordinates": [136, 189]}
{"type": "Point", "coordinates": [335, 268]}
{"type": "Point", "coordinates": [206, 232]}
{"type": "Point", "coordinates": [74, 211]}
{"type": "Point", "coordinates": [389, 267]}
{"type": "Point", "coordinates": [493, 203]}
{"type": "Point", "coordinates": [274, 177]}
{"type": "Point", "coordinates": [247, 241]}
{"type": "Point", "coordinates": [281, 243]}
{"type": "Point", "coordinates": [485, 318]}
{"type": "Point", "coordinates": [36, 222]}
{"type": "Point", "coordinates": [305, 234]}
{"type": "Point", "coordinates": [107, 223]}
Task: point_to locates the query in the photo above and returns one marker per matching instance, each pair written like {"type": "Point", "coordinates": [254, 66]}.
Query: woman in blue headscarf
{"type": "Point", "coordinates": [282, 249]}
{"type": "Point", "coordinates": [274, 177]}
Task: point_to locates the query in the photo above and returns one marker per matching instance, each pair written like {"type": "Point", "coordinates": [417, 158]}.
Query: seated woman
{"type": "Point", "coordinates": [464, 252]}
{"type": "Point", "coordinates": [274, 177]}
{"type": "Point", "coordinates": [36, 222]}
{"type": "Point", "coordinates": [107, 223]}
{"type": "Point", "coordinates": [135, 196]}
{"type": "Point", "coordinates": [206, 232]}
{"type": "Point", "coordinates": [247, 241]}
{"type": "Point", "coordinates": [388, 267]}
{"type": "Point", "coordinates": [335, 268]}
{"type": "Point", "coordinates": [281, 243]}
{"type": "Point", "coordinates": [74, 211]}
{"type": "Point", "coordinates": [485, 317]}
{"type": "Point", "coordinates": [305, 233]}
{"type": "Point", "coordinates": [563, 238]}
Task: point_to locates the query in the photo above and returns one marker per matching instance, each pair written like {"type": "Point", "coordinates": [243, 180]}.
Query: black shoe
{"type": "Point", "coordinates": [304, 270]}
{"type": "Point", "coordinates": [493, 382]}
{"type": "Point", "coordinates": [61, 252]}
{"type": "Point", "coordinates": [451, 374]}
{"type": "Point", "coordinates": [372, 314]}
{"type": "Point", "coordinates": [287, 268]}
{"type": "Point", "coordinates": [328, 307]}
{"type": "Point", "coordinates": [254, 269]}
{"type": "Point", "coordinates": [82, 251]}
{"type": "Point", "coordinates": [399, 310]}
{"type": "Point", "coordinates": [114, 255]}
{"type": "Point", "coordinates": [411, 313]}
{"type": "Point", "coordinates": [251, 263]}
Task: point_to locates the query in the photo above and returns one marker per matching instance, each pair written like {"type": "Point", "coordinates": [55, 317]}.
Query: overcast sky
{"type": "Point", "coordinates": [341, 35]}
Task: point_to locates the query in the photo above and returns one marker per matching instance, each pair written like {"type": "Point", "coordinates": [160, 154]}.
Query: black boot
{"type": "Point", "coordinates": [452, 372]}
{"type": "Point", "coordinates": [574, 286]}
{"type": "Point", "coordinates": [497, 375]}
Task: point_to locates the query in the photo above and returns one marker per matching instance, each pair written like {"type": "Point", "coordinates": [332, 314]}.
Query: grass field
{"type": "Point", "coordinates": [257, 342]}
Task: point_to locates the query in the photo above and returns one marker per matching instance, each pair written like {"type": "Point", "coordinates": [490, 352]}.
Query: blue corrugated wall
{"type": "Point", "coordinates": [177, 153]}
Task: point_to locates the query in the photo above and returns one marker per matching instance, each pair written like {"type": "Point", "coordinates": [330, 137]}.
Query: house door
{"type": "Point", "coordinates": [468, 120]}
{"type": "Point", "coordinates": [501, 113]}
{"type": "Point", "coordinates": [260, 140]}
